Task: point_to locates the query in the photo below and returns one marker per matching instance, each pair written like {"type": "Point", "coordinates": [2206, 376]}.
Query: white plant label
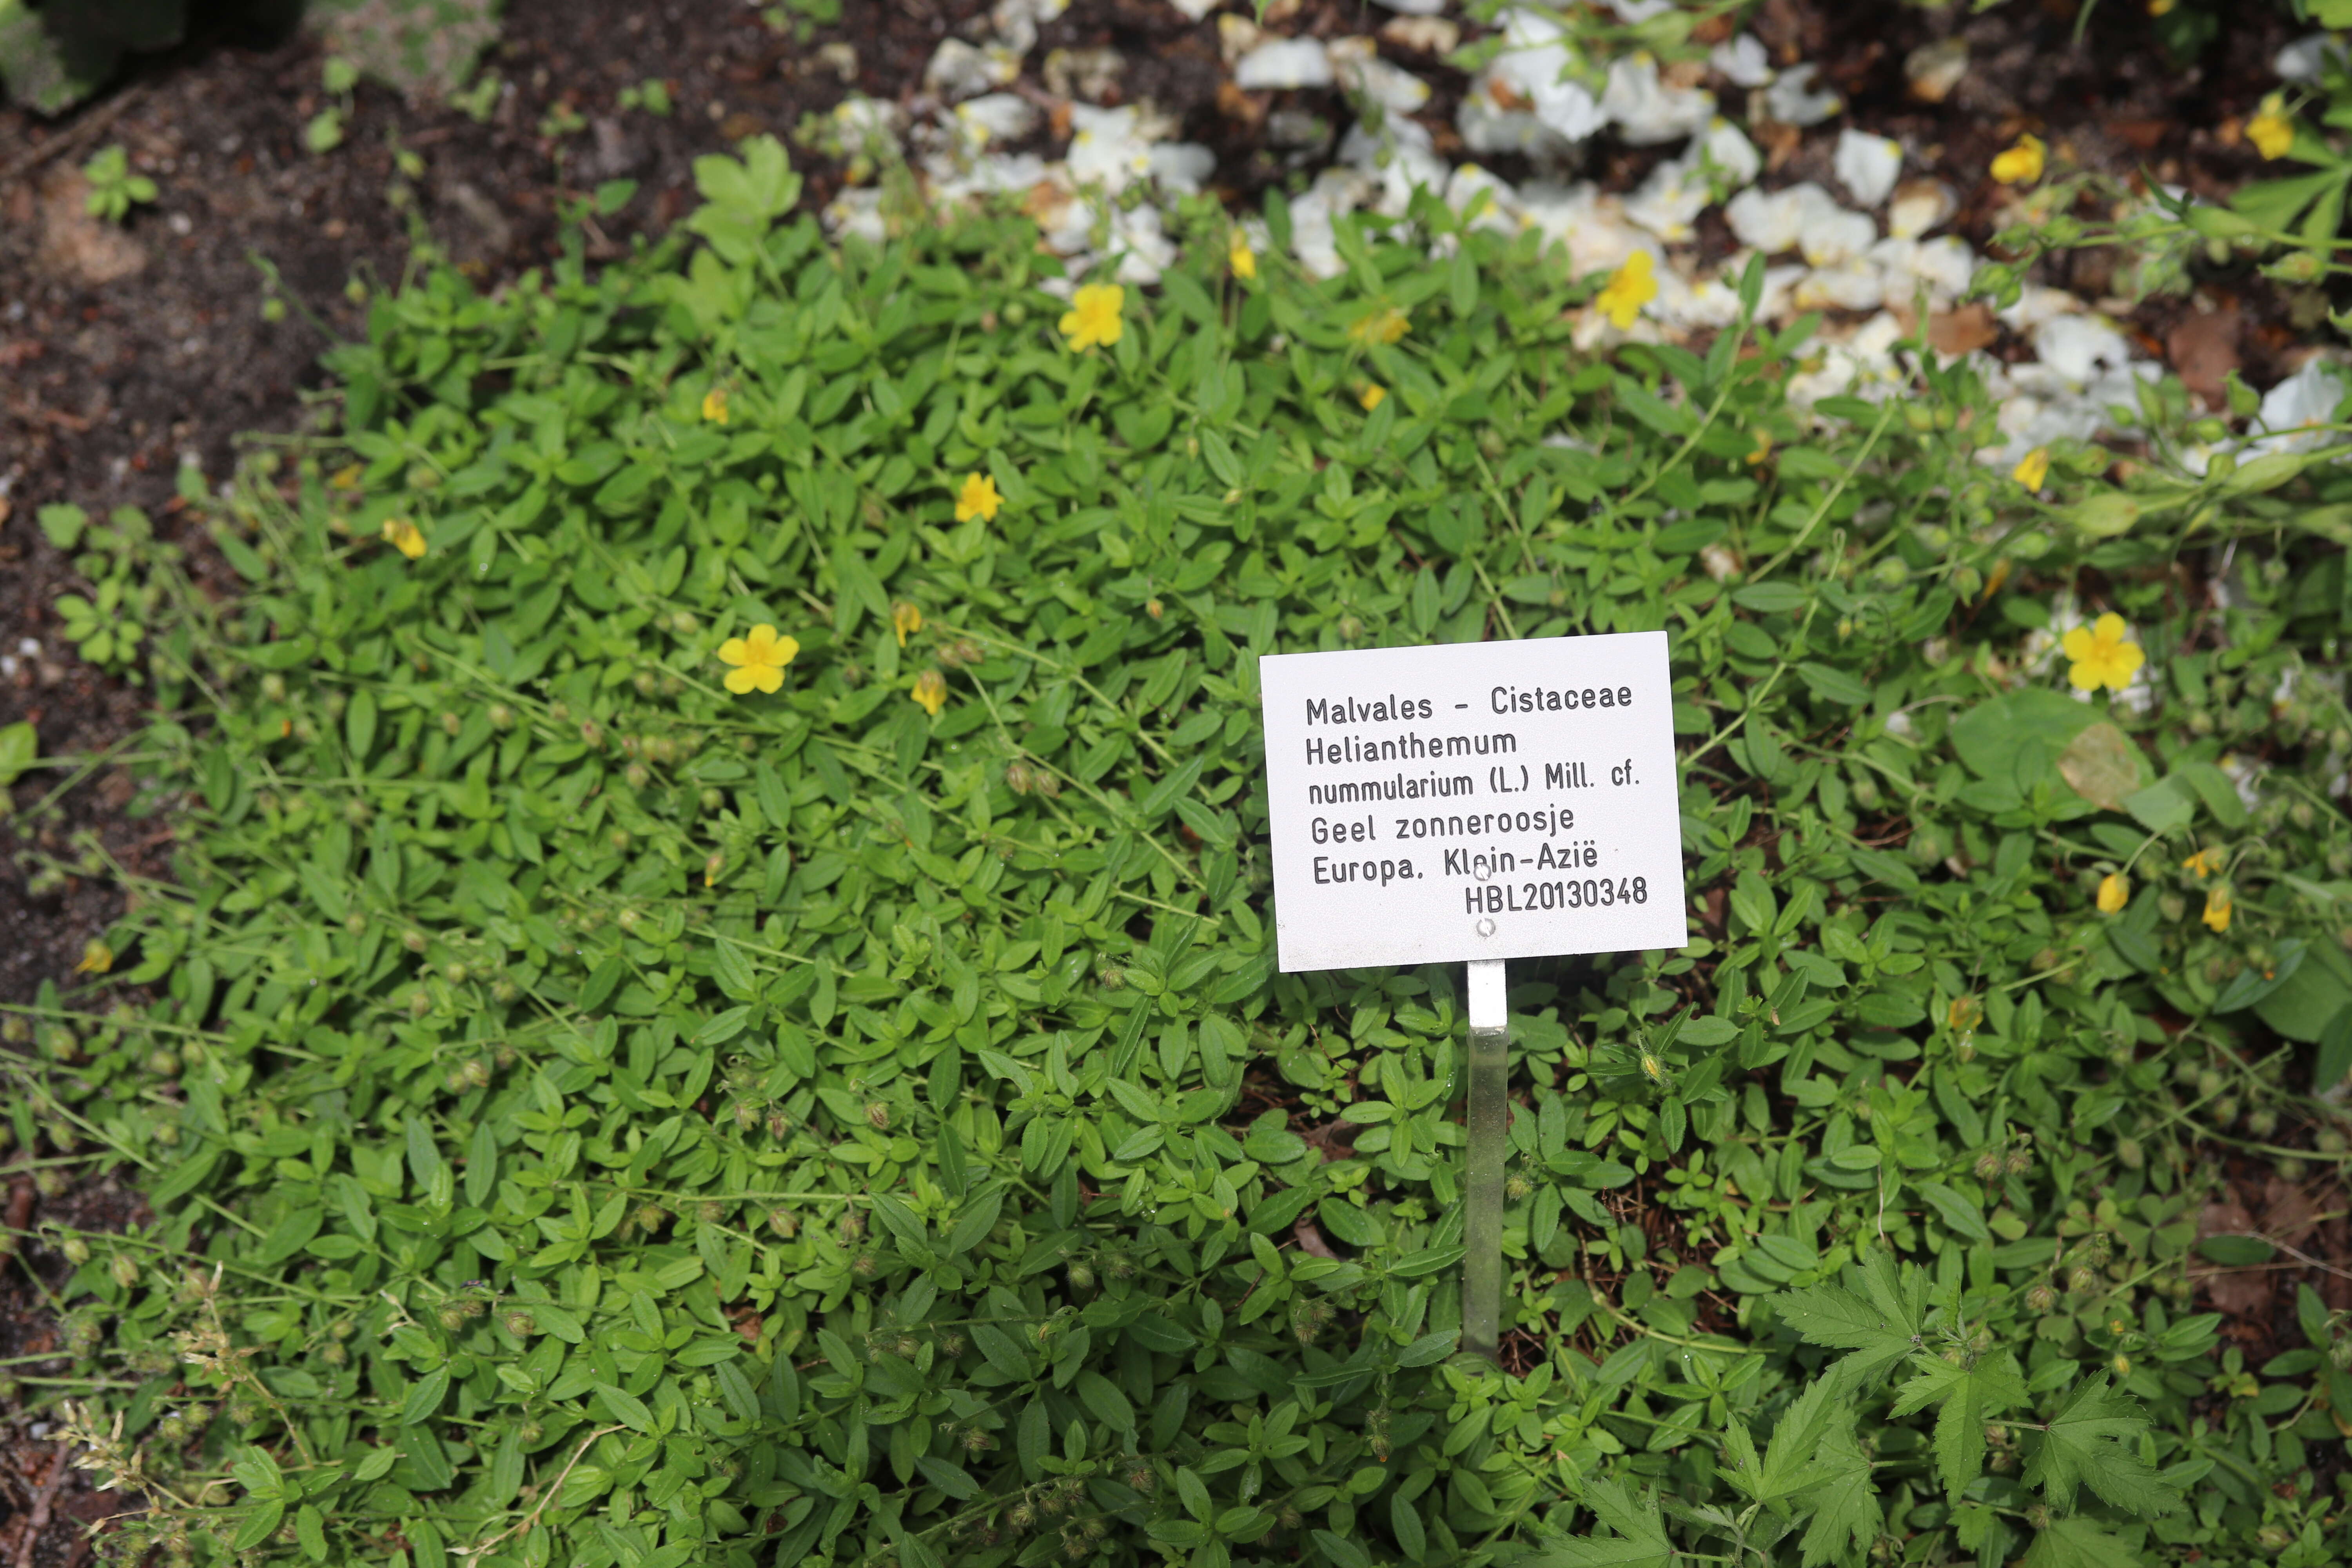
{"type": "Point", "coordinates": [1472, 801]}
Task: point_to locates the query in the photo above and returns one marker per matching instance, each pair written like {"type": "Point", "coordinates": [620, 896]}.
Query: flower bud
{"type": "Point", "coordinates": [501, 716]}
{"type": "Point", "coordinates": [521, 1325]}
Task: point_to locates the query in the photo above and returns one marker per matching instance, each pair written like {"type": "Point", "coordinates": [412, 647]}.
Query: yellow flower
{"type": "Point", "coordinates": [2100, 656]}
{"type": "Point", "coordinates": [2161, 8]}
{"type": "Point", "coordinates": [1373, 396]}
{"type": "Point", "coordinates": [1241, 257]}
{"type": "Point", "coordinates": [714, 406]}
{"type": "Point", "coordinates": [347, 478]}
{"type": "Point", "coordinates": [1763, 452]}
{"type": "Point", "coordinates": [904, 619]}
{"type": "Point", "coordinates": [2203, 864]}
{"type": "Point", "coordinates": [97, 958]}
{"type": "Point", "coordinates": [2115, 892]}
{"type": "Point", "coordinates": [1385, 325]}
{"type": "Point", "coordinates": [930, 691]}
{"type": "Point", "coordinates": [1093, 316]}
{"type": "Point", "coordinates": [2217, 910]}
{"type": "Point", "coordinates": [2022, 164]}
{"type": "Point", "coordinates": [2271, 131]}
{"type": "Point", "coordinates": [1631, 287]}
{"type": "Point", "coordinates": [403, 536]}
{"type": "Point", "coordinates": [2032, 469]}
{"type": "Point", "coordinates": [978, 498]}
{"type": "Point", "coordinates": [759, 659]}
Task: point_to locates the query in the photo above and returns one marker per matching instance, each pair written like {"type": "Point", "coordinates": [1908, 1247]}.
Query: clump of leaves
{"type": "Point", "coordinates": [114, 190]}
{"type": "Point", "coordinates": [118, 559]}
{"type": "Point", "coordinates": [720, 1005]}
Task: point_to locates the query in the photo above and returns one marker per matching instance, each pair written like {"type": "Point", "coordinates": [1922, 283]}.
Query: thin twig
{"type": "Point", "coordinates": [37, 1519]}
{"type": "Point", "coordinates": [81, 132]}
{"type": "Point", "coordinates": [545, 1498]}
{"type": "Point", "coordinates": [2306, 1259]}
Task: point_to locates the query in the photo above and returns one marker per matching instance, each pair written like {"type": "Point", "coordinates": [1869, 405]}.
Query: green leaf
{"type": "Point", "coordinates": [425, 1396]}
{"type": "Point", "coordinates": [1640, 1541]}
{"type": "Point", "coordinates": [2083, 1446]}
{"type": "Point", "coordinates": [19, 747]}
{"type": "Point", "coordinates": [623, 1406]}
{"type": "Point", "coordinates": [311, 1532]}
{"type": "Point", "coordinates": [1965, 1395]}
{"type": "Point", "coordinates": [1960, 1214]}
{"type": "Point", "coordinates": [259, 1524]}
{"type": "Point", "coordinates": [2078, 1543]}
{"type": "Point", "coordinates": [1881, 1326]}
{"type": "Point", "coordinates": [63, 524]}
{"type": "Point", "coordinates": [2237, 1251]}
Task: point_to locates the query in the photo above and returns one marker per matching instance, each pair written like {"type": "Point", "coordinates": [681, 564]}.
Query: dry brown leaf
{"type": "Point", "coordinates": [1955, 333]}
{"type": "Point", "coordinates": [2203, 349]}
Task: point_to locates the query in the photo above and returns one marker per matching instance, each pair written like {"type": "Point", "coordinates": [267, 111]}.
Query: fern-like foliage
{"type": "Point", "coordinates": [1811, 1495]}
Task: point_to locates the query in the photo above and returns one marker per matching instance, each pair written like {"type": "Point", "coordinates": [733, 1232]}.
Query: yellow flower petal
{"type": "Point", "coordinates": [978, 498]}
{"type": "Point", "coordinates": [760, 656]}
{"type": "Point", "coordinates": [97, 958]}
{"type": "Point", "coordinates": [2271, 132]}
{"type": "Point", "coordinates": [1386, 326]}
{"type": "Point", "coordinates": [930, 691]}
{"type": "Point", "coordinates": [2023, 163]}
{"type": "Point", "coordinates": [1373, 396]}
{"type": "Point", "coordinates": [1241, 257]}
{"type": "Point", "coordinates": [904, 619]}
{"type": "Point", "coordinates": [2115, 892]}
{"type": "Point", "coordinates": [1094, 319]}
{"type": "Point", "coordinates": [2032, 469]}
{"type": "Point", "coordinates": [2218, 909]}
{"type": "Point", "coordinates": [714, 406]}
{"type": "Point", "coordinates": [404, 536]}
{"type": "Point", "coordinates": [1628, 289]}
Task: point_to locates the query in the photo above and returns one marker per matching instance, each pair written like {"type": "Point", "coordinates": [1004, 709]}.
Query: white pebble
{"type": "Point", "coordinates": [1868, 165]}
{"type": "Point", "coordinates": [1282, 64]}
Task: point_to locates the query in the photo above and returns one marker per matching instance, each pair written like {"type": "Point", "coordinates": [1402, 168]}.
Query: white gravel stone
{"type": "Point", "coordinates": [1791, 100]}
{"type": "Point", "coordinates": [1281, 64]}
{"type": "Point", "coordinates": [1646, 110]}
{"type": "Point", "coordinates": [1868, 165]}
{"type": "Point", "coordinates": [1742, 60]}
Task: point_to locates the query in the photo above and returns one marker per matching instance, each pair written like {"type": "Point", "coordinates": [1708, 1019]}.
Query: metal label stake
{"type": "Point", "coordinates": [1490, 1122]}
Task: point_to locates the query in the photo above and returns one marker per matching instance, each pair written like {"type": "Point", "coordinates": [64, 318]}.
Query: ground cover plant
{"type": "Point", "coordinates": [717, 1005]}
